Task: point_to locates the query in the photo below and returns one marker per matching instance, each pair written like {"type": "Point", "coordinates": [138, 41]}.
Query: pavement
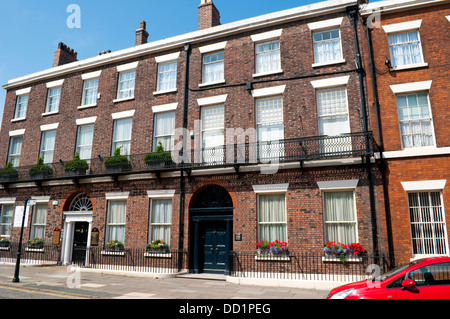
{"type": "Point", "coordinates": [72, 283]}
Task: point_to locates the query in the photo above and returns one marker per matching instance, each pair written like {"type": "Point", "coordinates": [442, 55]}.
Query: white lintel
{"type": "Point", "coordinates": [424, 185]}
{"type": "Point", "coordinates": [411, 87]}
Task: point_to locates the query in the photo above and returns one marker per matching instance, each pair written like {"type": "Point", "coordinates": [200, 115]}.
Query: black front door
{"type": "Point", "coordinates": [80, 238]}
{"type": "Point", "coordinates": [215, 247]}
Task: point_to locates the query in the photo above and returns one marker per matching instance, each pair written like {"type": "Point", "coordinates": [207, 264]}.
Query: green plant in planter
{"type": "Point", "coordinates": [76, 165]}
{"type": "Point", "coordinates": [9, 171]}
{"type": "Point", "coordinates": [158, 158]}
{"type": "Point", "coordinates": [4, 242]}
{"type": "Point", "coordinates": [117, 161]}
{"type": "Point", "coordinates": [158, 245]}
{"type": "Point", "coordinates": [41, 169]}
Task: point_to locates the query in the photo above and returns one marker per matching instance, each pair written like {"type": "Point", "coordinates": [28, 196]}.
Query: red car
{"type": "Point", "coordinates": [427, 278]}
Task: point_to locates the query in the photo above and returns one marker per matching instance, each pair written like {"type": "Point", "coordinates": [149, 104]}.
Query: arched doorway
{"type": "Point", "coordinates": [211, 215]}
{"type": "Point", "coordinates": [77, 230]}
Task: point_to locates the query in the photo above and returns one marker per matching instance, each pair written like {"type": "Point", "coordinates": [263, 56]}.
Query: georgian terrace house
{"type": "Point", "coordinates": [265, 120]}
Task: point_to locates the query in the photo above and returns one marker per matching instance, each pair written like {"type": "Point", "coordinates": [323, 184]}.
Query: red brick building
{"type": "Point", "coordinates": [268, 124]}
{"type": "Point", "coordinates": [408, 76]}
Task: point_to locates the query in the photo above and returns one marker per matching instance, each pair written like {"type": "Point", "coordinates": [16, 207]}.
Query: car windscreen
{"type": "Point", "coordinates": [394, 271]}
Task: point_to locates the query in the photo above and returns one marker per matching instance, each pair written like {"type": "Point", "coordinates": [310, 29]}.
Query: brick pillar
{"type": "Point", "coordinates": [208, 15]}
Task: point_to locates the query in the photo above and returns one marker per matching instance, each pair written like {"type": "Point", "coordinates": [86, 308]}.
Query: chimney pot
{"type": "Point", "coordinates": [64, 55]}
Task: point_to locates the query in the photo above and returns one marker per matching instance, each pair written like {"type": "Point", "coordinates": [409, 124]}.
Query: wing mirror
{"type": "Point", "coordinates": [408, 283]}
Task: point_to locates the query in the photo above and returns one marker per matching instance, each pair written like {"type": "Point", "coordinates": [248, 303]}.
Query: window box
{"type": "Point", "coordinates": [348, 259]}
{"type": "Point", "coordinates": [40, 170]}
{"type": "Point", "coordinates": [8, 173]}
{"type": "Point", "coordinates": [159, 158]}
{"type": "Point", "coordinates": [76, 166]}
{"type": "Point", "coordinates": [117, 163]}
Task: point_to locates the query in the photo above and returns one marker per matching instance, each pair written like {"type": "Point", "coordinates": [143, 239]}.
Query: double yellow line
{"type": "Point", "coordinates": [30, 290]}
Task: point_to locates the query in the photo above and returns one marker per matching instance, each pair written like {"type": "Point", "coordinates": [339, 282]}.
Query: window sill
{"type": "Point", "coordinates": [36, 250]}
{"type": "Point", "coordinates": [86, 106]}
{"type": "Point", "coordinates": [211, 83]}
{"type": "Point", "coordinates": [18, 119]}
{"type": "Point", "coordinates": [272, 258]}
{"type": "Point", "coordinates": [407, 67]}
{"type": "Point", "coordinates": [112, 253]}
{"type": "Point", "coordinates": [165, 92]}
{"type": "Point", "coordinates": [317, 65]}
{"type": "Point", "coordinates": [332, 259]}
{"type": "Point", "coordinates": [257, 75]}
{"type": "Point", "coordinates": [123, 99]}
{"type": "Point", "coordinates": [5, 248]}
{"type": "Point", "coordinates": [49, 113]}
{"type": "Point", "coordinates": [157, 255]}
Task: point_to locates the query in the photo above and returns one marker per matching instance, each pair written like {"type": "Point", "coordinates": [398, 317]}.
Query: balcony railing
{"type": "Point", "coordinates": [283, 151]}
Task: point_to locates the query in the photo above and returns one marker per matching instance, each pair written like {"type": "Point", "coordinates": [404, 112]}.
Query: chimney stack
{"type": "Point", "coordinates": [142, 34]}
{"type": "Point", "coordinates": [208, 15]}
{"type": "Point", "coordinates": [64, 55]}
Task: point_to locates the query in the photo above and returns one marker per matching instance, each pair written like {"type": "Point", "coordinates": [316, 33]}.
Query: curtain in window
{"type": "Point", "coordinates": [84, 144]}
{"type": "Point", "coordinates": [48, 145]}
{"type": "Point", "coordinates": [122, 136]}
{"type": "Point", "coordinates": [39, 221]}
{"type": "Point", "coordinates": [272, 217]}
{"type": "Point", "coordinates": [6, 213]}
{"type": "Point", "coordinates": [126, 84]}
{"type": "Point", "coordinates": [21, 106]}
{"type": "Point", "coordinates": [327, 46]}
{"type": "Point", "coordinates": [161, 219]}
{"type": "Point", "coordinates": [90, 92]}
{"type": "Point", "coordinates": [405, 48]}
{"type": "Point", "coordinates": [269, 121]}
{"type": "Point", "coordinates": [415, 120]}
{"type": "Point", "coordinates": [15, 149]}
{"type": "Point", "coordinates": [268, 57]}
{"type": "Point", "coordinates": [115, 228]}
{"type": "Point", "coordinates": [340, 217]}
{"type": "Point", "coordinates": [213, 67]}
{"type": "Point", "coordinates": [213, 136]}
{"type": "Point", "coordinates": [164, 130]}
{"type": "Point", "coordinates": [53, 99]}
{"type": "Point", "coordinates": [167, 76]}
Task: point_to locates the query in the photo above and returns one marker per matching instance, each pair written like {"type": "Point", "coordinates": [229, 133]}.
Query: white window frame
{"type": "Point", "coordinates": [116, 141]}
{"type": "Point", "coordinates": [116, 197]}
{"type": "Point", "coordinates": [168, 225]}
{"type": "Point", "coordinates": [79, 146]}
{"type": "Point", "coordinates": [217, 62]}
{"type": "Point", "coordinates": [53, 93]}
{"type": "Point", "coordinates": [326, 25]}
{"type": "Point", "coordinates": [272, 189]}
{"type": "Point", "coordinates": [336, 187]}
{"type": "Point", "coordinates": [35, 224]}
{"type": "Point", "coordinates": [21, 106]}
{"type": "Point", "coordinates": [164, 60]}
{"type": "Point", "coordinates": [42, 151]}
{"type": "Point", "coordinates": [263, 38]}
{"type": "Point", "coordinates": [157, 137]}
{"type": "Point", "coordinates": [431, 222]}
{"type": "Point", "coordinates": [15, 157]}
{"type": "Point", "coordinates": [218, 157]}
{"type": "Point", "coordinates": [86, 89]}
{"type": "Point", "coordinates": [405, 27]}
{"type": "Point", "coordinates": [2, 217]}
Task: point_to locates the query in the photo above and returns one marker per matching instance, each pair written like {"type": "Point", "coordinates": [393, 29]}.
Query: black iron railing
{"type": "Point", "coordinates": [306, 266]}
{"type": "Point", "coordinates": [30, 255]}
{"type": "Point", "coordinates": [349, 145]}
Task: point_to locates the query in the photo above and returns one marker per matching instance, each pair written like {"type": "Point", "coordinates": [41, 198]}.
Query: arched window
{"type": "Point", "coordinates": [81, 203]}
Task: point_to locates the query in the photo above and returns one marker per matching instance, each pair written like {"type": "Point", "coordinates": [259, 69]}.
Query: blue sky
{"type": "Point", "coordinates": [31, 30]}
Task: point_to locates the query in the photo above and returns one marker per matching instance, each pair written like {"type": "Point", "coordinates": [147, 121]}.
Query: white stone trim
{"type": "Point", "coordinates": [41, 199]}
{"type": "Point", "coordinates": [17, 132]}
{"type": "Point", "coordinates": [23, 91]}
{"type": "Point", "coordinates": [167, 57]}
{"type": "Point", "coordinates": [448, 17]}
{"type": "Point", "coordinates": [127, 67]}
{"type": "Point", "coordinates": [411, 87]}
{"type": "Point", "coordinates": [270, 188]}
{"type": "Point", "coordinates": [54, 84]}
{"type": "Point", "coordinates": [316, 65]}
{"type": "Point", "coordinates": [87, 120]}
{"type": "Point", "coordinates": [330, 82]}
{"type": "Point", "coordinates": [325, 24]}
{"type": "Point", "coordinates": [265, 36]}
{"type": "Point", "coordinates": [6, 201]}
{"type": "Point", "coordinates": [274, 90]}
{"type": "Point", "coordinates": [167, 193]}
{"type": "Point", "coordinates": [417, 151]}
{"type": "Point", "coordinates": [403, 26]}
{"type": "Point", "coordinates": [164, 107]}
{"type": "Point", "coordinates": [117, 196]}
{"type": "Point", "coordinates": [338, 185]}
{"type": "Point", "coordinates": [213, 47]}
{"type": "Point", "coordinates": [219, 99]}
{"type": "Point", "coordinates": [123, 115]}
{"type": "Point", "coordinates": [90, 76]}
{"type": "Point", "coordinates": [424, 185]}
{"type": "Point", "coordinates": [49, 127]}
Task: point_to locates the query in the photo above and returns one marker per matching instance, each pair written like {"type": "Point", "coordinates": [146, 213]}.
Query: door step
{"type": "Point", "coordinates": [204, 276]}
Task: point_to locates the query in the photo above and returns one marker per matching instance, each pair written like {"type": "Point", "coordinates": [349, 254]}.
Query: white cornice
{"type": "Point", "coordinates": [221, 31]}
{"type": "Point", "coordinates": [390, 6]}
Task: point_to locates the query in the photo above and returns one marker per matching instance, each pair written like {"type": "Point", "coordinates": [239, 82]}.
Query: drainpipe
{"type": "Point", "coordinates": [187, 49]}
{"type": "Point", "coordinates": [353, 15]}
{"type": "Point", "coordinates": [383, 164]}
